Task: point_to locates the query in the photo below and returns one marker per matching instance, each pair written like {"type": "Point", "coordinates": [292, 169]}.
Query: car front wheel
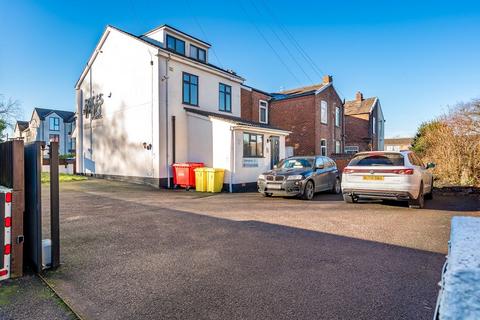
{"type": "Point", "coordinates": [308, 191]}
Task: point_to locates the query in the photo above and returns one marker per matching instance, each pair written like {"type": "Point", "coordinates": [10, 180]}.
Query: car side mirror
{"type": "Point", "coordinates": [320, 167]}
{"type": "Point", "coordinates": [430, 165]}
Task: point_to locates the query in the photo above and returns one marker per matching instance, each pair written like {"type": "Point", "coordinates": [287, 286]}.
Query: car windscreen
{"type": "Point", "coordinates": [296, 163]}
{"type": "Point", "coordinates": [384, 159]}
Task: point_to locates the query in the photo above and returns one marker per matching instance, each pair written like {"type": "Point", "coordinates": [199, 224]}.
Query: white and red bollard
{"type": "Point", "coordinates": [6, 203]}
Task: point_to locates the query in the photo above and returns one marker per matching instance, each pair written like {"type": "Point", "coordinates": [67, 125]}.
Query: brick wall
{"type": "Point", "coordinates": [357, 131]}
{"type": "Point", "coordinates": [250, 100]}
{"type": "Point", "coordinates": [341, 159]}
{"type": "Point", "coordinates": [328, 131]}
{"type": "Point", "coordinates": [298, 116]}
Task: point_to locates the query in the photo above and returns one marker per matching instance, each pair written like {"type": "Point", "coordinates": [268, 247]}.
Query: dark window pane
{"type": "Point", "coordinates": [263, 116]}
{"type": "Point", "coordinates": [193, 52]}
{"type": "Point", "coordinates": [259, 146]}
{"type": "Point", "coordinates": [228, 103]}
{"type": "Point", "coordinates": [170, 42]}
{"type": "Point", "coordinates": [186, 93]}
{"type": "Point", "coordinates": [221, 101]}
{"type": "Point", "coordinates": [186, 77]}
{"type": "Point", "coordinates": [194, 94]}
{"type": "Point", "coordinates": [386, 159]}
{"type": "Point", "coordinates": [194, 79]}
{"type": "Point", "coordinates": [180, 46]}
{"type": "Point", "coordinates": [202, 55]}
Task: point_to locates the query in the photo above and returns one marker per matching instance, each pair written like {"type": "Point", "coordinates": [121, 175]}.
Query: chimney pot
{"type": "Point", "coordinates": [359, 96]}
{"type": "Point", "coordinates": [327, 79]}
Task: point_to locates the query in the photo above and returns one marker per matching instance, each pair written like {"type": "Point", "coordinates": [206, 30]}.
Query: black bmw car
{"type": "Point", "coordinates": [300, 176]}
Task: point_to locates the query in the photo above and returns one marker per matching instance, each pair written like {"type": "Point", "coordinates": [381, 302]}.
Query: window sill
{"type": "Point", "coordinates": [253, 157]}
{"type": "Point", "coordinates": [191, 105]}
{"type": "Point", "coordinates": [225, 111]}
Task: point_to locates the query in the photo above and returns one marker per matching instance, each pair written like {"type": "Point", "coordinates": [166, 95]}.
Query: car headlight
{"type": "Point", "coordinates": [261, 177]}
{"type": "Point", "coordinates": [295, 177]}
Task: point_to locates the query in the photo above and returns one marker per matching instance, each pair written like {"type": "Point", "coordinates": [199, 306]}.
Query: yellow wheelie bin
{"type": "Point", "coordinates": [201, 179]}
{"type": "Point", "coordinates": [214, 179]}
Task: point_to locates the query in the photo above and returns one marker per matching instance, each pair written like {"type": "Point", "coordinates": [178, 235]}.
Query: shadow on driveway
{"type": "Point", "coordinates": [124, 259]}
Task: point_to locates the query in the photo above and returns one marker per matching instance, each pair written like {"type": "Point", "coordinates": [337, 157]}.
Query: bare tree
{"type": "Point", "coordinates": [9, 110]}
{"type": "Point", "coordinates": [9, 113]}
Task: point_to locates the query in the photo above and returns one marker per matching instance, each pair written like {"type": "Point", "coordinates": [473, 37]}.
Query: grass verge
{"type": "Point", "coordinates": [62, 177]}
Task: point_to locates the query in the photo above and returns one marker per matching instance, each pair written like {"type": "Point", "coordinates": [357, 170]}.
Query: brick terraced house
{"type": "Point", "coordinates": [313, 115]}
{"type": "Point", "coordinates": [364, 124]}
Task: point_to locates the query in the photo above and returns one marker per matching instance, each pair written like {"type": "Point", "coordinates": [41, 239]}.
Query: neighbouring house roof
{"type": "Point", "coordinates": [302, 91]}
{"type": "Point", "coordinates": [22, 125]}
{"type": "Point", "coordinates": [359, 106]}
{"type": "Point", "coordinates": [398, 141]}
{"type": "Point", "coordinates": [67, 116]}
{"type": "Point", "coordinates": [255, 89]}
{"type": "Point", "coordinates": [232, 119]}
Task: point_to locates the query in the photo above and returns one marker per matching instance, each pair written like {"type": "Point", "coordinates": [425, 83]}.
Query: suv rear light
{"type": "Point", "coordinates": [403, 171]}
{"type": "Point", "coordinates": [8, 197]}
{"type": "Point", "coordinates": [394, 171]}
{"type": "Point", "coordinates": [7, 249]}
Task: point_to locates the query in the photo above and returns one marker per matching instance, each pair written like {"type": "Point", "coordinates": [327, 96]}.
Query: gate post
{"type": "Point", "coordinates": [54, 204]}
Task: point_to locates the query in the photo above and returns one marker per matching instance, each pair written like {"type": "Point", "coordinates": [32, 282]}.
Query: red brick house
{"type": "Point", "coordinates": [313, 114]}
{"type": "Point", "coordinates": [364, 124]}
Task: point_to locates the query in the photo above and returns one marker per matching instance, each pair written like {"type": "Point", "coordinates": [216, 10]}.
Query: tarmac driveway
{"type": "Point", "coordinates": [129, 251]}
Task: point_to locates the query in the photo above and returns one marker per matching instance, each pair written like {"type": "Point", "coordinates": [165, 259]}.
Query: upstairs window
{"type": "Point", "coordinates": [225, 98]}
{"type": "Point", "coordinates": [190, 89]}
{"type": "Point", "coordinates": [263, 112]}
{"type": "Point", "coordinates": [337, 116]}
{"type": "Point", "coordinates": [54, 124]}
{"type": "Point", "coordinates": [324, 112]}
{"type": "Point", "coordinates": [252, 145]}
{"type": "Point", "coordinates": [175, 44]}
{"type": "Point", "coordinates": [337, 147]}
{"type": "Point", "coordinates": [374, 125]}
{"type": "Point", "coordinates": [198, 53]}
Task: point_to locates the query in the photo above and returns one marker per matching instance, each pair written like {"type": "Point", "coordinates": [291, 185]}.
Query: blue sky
{"type": "Point", "coordinates": [416, 56]}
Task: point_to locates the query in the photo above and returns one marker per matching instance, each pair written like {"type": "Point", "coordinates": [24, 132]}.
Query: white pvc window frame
{"type": "Point", "coordinates": [260, 108]}
{"type": "Point", "coordinates": [324, 112]}
{"type": "Point", "coordinates": [323, 147]}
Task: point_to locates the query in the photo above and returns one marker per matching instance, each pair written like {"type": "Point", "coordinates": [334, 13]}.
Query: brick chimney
{"type": "Point", "coordinates": [327, 79]}
{"type": "Point", "coordinates": [359, 96]}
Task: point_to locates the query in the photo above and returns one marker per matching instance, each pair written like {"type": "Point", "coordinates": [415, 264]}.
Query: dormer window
{"type": "Point", "coordinates": [175, 45]}
{"type": "Point", "coordinates": [198, 53]}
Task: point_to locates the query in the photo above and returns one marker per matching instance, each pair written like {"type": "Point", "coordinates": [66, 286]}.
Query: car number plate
{"type": "Point", "coordinates": [274, 186]}
{"type": "Point", "coordinates": [375, 178]}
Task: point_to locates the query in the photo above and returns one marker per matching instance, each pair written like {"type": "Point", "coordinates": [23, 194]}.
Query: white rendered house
{"type": "Point", "coordinates": [49, 125]}
{"type": "Point", "coordinates": [146, 102]}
